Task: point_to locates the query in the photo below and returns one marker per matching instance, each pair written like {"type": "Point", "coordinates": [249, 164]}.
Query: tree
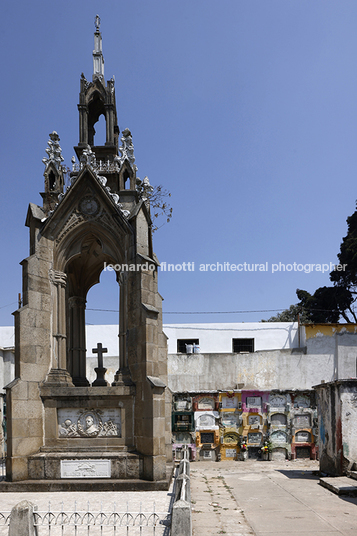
{"type": "Point", "coordinates": [288, 315]}
{"type": "Point", "coordinates": [155, 200]}
{"type": "Point", "coordinates": [328, 304]}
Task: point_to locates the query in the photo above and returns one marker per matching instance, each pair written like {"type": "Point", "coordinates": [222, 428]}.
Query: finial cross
{"type": "Point", "coordinates": [100, 351]}
{"type": "Point", "coordinates": [97, 23]}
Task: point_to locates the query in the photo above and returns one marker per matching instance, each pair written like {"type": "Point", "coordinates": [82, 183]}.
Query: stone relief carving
{"type": "Point", "coordinates": [89, 423]}
{"type": "Point", "coordinates": [57, 278]}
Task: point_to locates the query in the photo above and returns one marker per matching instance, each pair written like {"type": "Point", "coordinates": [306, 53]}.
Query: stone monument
{"type": "Point", "coordinates": [59, 426]}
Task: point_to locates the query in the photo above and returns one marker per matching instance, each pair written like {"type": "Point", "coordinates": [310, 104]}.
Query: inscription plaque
{"type": "Point", "coordinates": [254, 401]}
{"type": "Point", "coordinates": [231, 453]}
{"type": "Point", "coordinates": [206, 403]}
{"type": "Point", "coordinates": [230, 419]}
{"type": "Point", "coordinates": [303, 437]}
{"type": "Point", "coordinates": [254, 437]}
{"type": "Point", "coordinates": [302, 421]}
{"type": "Point", "coordinates": [277, 401]}
{"type": "Point", "coordinates": [278, 419]}
{"type": "Point", "coordinates": [253, 419]}
{"type": "Point", "coordinates": [229, 402]}
{"type": "Point", "coordinates": [279, 437]}
{"type": "Point", "coordinates": [85, 468]}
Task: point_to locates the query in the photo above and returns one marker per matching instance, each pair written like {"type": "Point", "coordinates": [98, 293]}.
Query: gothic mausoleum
{"type": "Point", "coordinates": [61, 427]}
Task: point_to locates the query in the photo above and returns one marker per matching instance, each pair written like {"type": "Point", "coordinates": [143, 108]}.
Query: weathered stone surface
{"type": "Point", "coordinates": [22, 520]}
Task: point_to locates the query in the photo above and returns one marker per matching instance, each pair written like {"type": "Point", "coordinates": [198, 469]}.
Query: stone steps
{"type": "Point", "coordinates": [352, 474]}
{"type": "Point", "coordinates": [108, 484]}
{"type": "Point", "coordinates": [341, 485]}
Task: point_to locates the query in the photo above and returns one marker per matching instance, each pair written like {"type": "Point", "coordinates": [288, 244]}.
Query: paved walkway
{"type": "Point", "coordinates": [265, 499]}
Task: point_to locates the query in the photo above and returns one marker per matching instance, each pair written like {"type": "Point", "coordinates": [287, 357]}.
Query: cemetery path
{"type": "Point", "coordinates": [267, 498]}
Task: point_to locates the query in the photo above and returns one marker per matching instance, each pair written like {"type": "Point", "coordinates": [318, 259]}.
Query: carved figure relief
{"type": "Point", "coordinates": [89, 423]}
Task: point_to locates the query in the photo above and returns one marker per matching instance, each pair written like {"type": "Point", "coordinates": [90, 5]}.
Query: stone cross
{"type": "Point", "coordinates": [100, 351]}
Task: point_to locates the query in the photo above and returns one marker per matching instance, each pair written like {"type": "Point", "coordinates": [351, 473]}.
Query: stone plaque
{"type": "Point", "coordinates": [254, 401]}
{"type": "Point", "coordinates": [279, 437]}
{"type": "Point", "coordinates": [277, 401]}
{"type": "Point", "coordinates": [254, 437]}
{"type": "Point", "coordinates": [206, 403]}
{"type": "Point", "coordinates": [230, 419]}
{"type": "Point", "coordinates": [89, 422]}
{"type": "Point", "coordinates": [278, 419]}
{"type": "Point", "coordinates": [229, 402]}
{"type": "Point", "coordinates": [182, 405]}
{"type": "Point", "coordinates": [85, 468]}
{"type": "Point", "coordinates": [301, 401]}
{"type": "Point", "coordinates": [231, 453]}
{"type": "Point", "coordinates": [303, 437]}
{"type": "Point", "coordinates": [302, 421]}
{"type": "Point", "coordinates": [207, 454]}
{"type": "Point", "coordinates": [253, 420]}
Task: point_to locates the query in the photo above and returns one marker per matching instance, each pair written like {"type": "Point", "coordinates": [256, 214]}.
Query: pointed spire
{"type": "Point", "coordinates": [98, 60]}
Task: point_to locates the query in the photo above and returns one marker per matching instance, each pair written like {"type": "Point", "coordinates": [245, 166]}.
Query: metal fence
{"type": "Point", "coordinates": [92, 523]}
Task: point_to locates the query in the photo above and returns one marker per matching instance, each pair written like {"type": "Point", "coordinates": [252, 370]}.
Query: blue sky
{"type": "Point", "coordinates": [245, 111]}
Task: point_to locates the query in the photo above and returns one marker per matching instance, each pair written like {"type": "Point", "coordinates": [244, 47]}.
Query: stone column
{"type": "Point", "coordinates": [77, 341]}
{"type": "Point", "coordinates": [58, 373]}
{"type": "Point", "coordinates": [109, 124]}
{"type": "Point", "coordinates": [83, 124]}
{"type": "Point", "coordinates": [122, 375]}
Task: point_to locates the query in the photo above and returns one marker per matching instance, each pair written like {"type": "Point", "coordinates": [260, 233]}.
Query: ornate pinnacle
{"type": "Point", "coordinates": [127, 149]}
{"type": "Point", "coordinates": [97, 23]}
{"type": "Point", "coordinates": [54, 151]}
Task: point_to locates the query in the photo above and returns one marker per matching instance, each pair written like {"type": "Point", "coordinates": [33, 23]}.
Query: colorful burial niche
{"type": "Point", "coordinates": [278, 419]}
{"type": "Point", "coordinates": [206, 420]}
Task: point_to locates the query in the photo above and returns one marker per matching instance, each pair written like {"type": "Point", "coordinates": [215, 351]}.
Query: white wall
{"type": "Point", "coordinates": [217, 338]}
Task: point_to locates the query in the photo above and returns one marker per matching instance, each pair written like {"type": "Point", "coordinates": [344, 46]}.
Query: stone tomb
{"type": "Point", "coordinates": [60, 427]}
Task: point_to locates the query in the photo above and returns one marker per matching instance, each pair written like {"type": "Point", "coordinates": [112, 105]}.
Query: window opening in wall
{"type": "Point", "coordinates": [100, 131]}
{"type": "Point", "coordinates": [51, 180]}
{"type": "Point", "coordinates": [126, 176]}
{"type": "Point", "coordinates": [181, 345]}
{"type": "Point", "coordinates": [242, 345]}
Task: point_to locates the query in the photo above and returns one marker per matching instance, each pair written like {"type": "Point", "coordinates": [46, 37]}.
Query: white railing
{"type": "Point", "coordinates": [92, 523]}
{"type": "Point", "coordinates": [98, 166]}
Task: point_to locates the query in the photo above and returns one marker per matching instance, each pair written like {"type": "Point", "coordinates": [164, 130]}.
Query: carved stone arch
{"type": "Point", "coordinates": [82, 256]}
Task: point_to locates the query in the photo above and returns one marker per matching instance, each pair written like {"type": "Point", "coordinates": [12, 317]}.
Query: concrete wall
{"type": "Point", "coordinates": [337, 416]}
{"type": "Point", "coordinates": [279, 369]}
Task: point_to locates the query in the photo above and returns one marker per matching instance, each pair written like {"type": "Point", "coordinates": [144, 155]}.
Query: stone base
{"type": "Point", "coordinates": [109, 484]}
{"type": "Point", "coordinates": [123, 465]}
{"type": "Point", "coordinates": [58, 378]}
